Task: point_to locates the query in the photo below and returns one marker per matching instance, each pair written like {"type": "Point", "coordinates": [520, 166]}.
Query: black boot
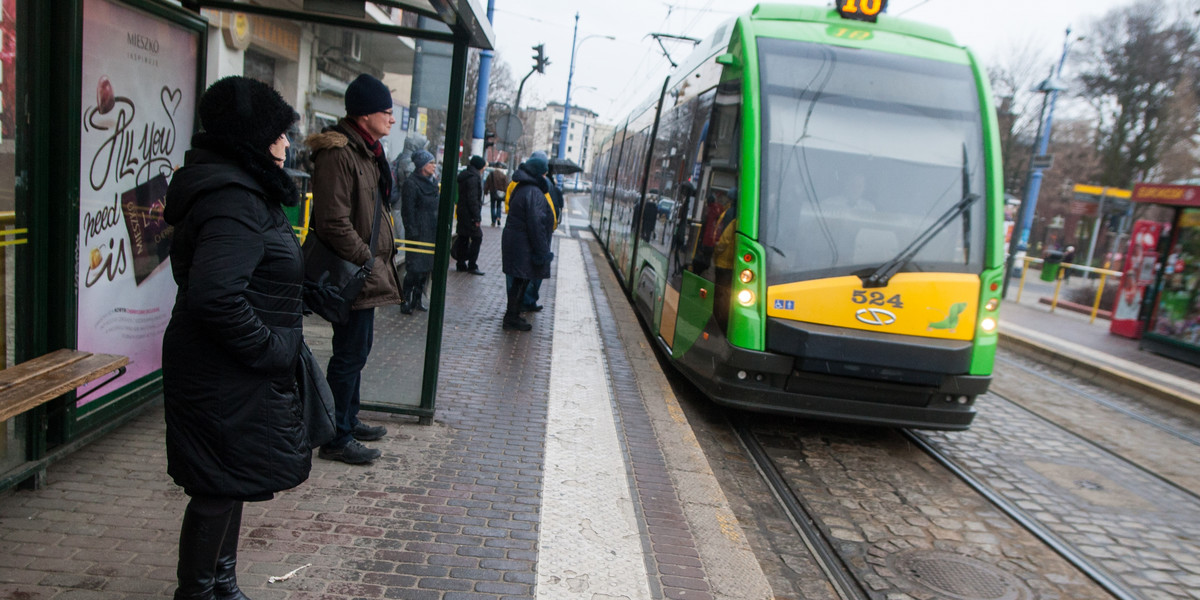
{"type": "Point", "coordinates": [200, 540]}
{"type": "Point", "coordinates": [226, 587]}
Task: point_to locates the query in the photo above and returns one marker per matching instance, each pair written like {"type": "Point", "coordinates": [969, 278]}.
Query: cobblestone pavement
{"type": "Point", "coordinates": [1141, 529]}
{"type": "Point", "coordinates": [1113, 420]}
{"type": "Point", "coordinates": [905, 526]}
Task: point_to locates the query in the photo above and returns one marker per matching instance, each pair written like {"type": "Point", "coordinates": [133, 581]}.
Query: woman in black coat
{"type": "Point", "coordinates": [419, 209]}
{"type": "Point", "coordinates": [234, 430]}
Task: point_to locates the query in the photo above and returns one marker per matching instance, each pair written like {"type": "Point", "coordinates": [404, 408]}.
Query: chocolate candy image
{"type": "Point", "coordinates": [105, 98]}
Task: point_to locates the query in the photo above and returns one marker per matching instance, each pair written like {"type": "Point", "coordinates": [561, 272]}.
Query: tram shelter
{"type": "Point", "coordinates": [97, 108]}
{"type": "Point", "coordinates": [1170, 312]}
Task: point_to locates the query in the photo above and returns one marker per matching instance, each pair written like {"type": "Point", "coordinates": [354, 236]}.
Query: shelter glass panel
{"type": "Point", "coordinates": [12, 431]}
{"type": "Point", "coordinates": [313, 64]}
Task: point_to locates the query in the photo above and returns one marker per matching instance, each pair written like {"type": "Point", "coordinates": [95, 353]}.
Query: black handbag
{"type": "Point", "coordinates": [316, 399]}
{"type": "Point", "coordinates": [331, 283]}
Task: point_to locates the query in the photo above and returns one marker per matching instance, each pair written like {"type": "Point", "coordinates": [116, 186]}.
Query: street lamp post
{"type": "Point", "coordinates": [562, 133]}
{"type": "Point", "coordinates": [1051, 86]}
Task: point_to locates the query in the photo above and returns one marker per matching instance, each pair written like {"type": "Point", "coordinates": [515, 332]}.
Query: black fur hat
{"type": "Point", "coordinates": [245, 109]}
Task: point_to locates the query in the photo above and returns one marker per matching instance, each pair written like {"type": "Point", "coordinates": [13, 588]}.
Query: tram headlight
{"type": "Point", "coordinates": [992, 304]}
{"type": "Point", "coordinates": [746, 276]}
{"type": "Point", "coordinates": [988, 324]}
{"type": "Point", "coordinates": [745, 297]}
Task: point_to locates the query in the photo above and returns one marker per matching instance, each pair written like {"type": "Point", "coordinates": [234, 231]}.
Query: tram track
{"type": "Point", "coordinates": [802, 518]}
{"type": "Point", "coordinates": [1033, 526]}
{"type": "Point", "coordinates": [811, 517]}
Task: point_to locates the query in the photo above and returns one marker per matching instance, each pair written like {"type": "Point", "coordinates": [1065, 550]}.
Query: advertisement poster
{"type": "Point", "coordinates": [8, 68]}
{"type": "Point", "coordinates": [139, 94]}
{"type": "Point", "coordinates": [1137, 275]}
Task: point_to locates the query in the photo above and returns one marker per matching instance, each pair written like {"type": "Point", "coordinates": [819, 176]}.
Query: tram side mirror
{"type": "Point", "coordinates": [728, 59]}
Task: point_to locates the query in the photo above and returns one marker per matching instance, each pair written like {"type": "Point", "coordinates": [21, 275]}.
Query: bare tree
{"type": "Point", "coordinates": [502, 89]}
{"type": "Point", "coordinates": [1135, 61]}
{"type": "Point", "coordinates": [1018, 108]}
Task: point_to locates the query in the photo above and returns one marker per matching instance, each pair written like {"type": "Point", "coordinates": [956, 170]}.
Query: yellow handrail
{"type": "Point", "coordinates": [1104, 274]}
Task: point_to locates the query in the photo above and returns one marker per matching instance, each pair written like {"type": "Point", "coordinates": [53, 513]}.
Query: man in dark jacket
{"type": "Point", "coordinates": [496, 187]}
{"type": "Point", "coordinates": [470, 218]}
{"type": "Point", "coordinates": [525, 244]}
{"type": "Point", "coordinates": [351, 179]}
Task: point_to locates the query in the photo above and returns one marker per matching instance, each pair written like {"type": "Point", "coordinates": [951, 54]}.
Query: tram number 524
{"type": "Point", "coordinates": [861, 10]}
{"type": "Point", "coordinates": [875, 299]}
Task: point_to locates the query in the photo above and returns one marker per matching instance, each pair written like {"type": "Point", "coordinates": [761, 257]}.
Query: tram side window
{"type": "Point", "coordinates": [726, 128]}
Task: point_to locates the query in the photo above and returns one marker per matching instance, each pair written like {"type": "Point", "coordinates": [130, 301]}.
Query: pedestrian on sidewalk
{"type": "Point", "coordinates": [231, 347]}
{"type": "Point", "coordinates": [352, 181]}
{"type": "Point", "coordinates": [533, 292]}
{"type": "Point", "coordinates": [470, 218]}
{"type": "Point", "coordinates": [419, 206]}
{"type": "Point", "coordinates": [496, 186]}
{"type": "Point", "coordinates": [1068, 261]}
{"type": "Point", "coordinates": [525, 243]}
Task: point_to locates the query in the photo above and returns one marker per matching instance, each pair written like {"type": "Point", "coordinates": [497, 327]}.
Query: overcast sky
{"type": "Point", "coordinates": [613, 75]}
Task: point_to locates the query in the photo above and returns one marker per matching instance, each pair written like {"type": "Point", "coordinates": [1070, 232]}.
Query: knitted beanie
{"type": "Point", "coordinates": [538, 163]}
{"type": "Point", "coordinates": [477, 162]}
{"type": "Point", "coordinates": [421, 158]}
{"type": "Point", "coordinates": [367, 95]}
{"type": "Point", "coordinates": [245, 109]}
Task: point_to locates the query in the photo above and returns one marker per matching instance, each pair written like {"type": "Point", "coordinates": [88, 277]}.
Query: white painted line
{"type": "Point", "coordinates": [588, 544]}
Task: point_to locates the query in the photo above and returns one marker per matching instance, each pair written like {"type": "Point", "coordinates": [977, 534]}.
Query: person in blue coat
{"type": "Point", "coordinates": [525, 243]}
{"type": "Point", "coordinates": [234, 431]}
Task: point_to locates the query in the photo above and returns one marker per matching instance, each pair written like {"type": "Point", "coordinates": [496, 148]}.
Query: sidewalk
{"type": "Point", "coordinates": [554, 468]}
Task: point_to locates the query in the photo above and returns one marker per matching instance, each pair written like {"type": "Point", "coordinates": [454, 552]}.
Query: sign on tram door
{"type": "Point", "coordinates": [1137, 274]}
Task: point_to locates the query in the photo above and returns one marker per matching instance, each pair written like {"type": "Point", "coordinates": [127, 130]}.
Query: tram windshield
{"type": "Point", "coordinates": [862, 153]}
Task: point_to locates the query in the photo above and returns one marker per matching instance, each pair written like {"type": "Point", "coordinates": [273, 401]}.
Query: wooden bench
{"type": "Point", "coordinates": [35, 382]}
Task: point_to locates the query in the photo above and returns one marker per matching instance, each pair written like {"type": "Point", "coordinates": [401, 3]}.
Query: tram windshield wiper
{"type": "Point", "coordinates": [883, 274]}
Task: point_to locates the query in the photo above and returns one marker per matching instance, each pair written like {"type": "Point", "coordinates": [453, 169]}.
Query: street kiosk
{"type": "Point", "coordinates": [1170, 312]}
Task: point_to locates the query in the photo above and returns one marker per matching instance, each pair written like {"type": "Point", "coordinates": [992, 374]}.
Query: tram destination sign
{"type": "Point", "coordinates": [861, 10]}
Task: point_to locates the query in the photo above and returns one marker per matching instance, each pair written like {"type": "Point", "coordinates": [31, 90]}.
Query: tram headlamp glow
{"type": "Point", "coordinates": [745, 297]}
{"type": "Point", "coordinates": [988, 324]}
{"type": "Point", "coordinates": [992, 304]}
{"type": "Point", "coordinates": [746, 276]}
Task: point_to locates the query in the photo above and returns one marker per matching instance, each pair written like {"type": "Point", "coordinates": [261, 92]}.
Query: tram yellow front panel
{"type": "Point", "coordinates": [939, 305]}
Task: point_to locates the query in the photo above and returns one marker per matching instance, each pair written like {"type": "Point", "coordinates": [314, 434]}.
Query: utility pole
{"type": "Point", "coordinates": [1051, 86]}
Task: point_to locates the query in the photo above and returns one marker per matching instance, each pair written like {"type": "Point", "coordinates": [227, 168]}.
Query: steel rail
{"type": "Point", "coordinates": [839, 575]}
{"type": "Point", "coordinates": [1064, 549]}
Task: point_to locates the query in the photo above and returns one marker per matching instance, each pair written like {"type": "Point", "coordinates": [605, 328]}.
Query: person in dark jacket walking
{"type": "Point", "coordinates": [230, 351]}
{"type": "Point", "coordinates": [351, 183]}
{"type": "Point", "coordinates": [525, 243]}
{"type": "Point", "coordinates": [419, 208]}
{"type": "Point", "coordinates": [496, 187]}
{"type": "Point", "coordinates": [470, 217]}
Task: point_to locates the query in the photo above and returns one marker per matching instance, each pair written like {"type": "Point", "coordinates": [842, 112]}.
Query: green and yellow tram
{"type": "Point", "coordinates": [808, 215]}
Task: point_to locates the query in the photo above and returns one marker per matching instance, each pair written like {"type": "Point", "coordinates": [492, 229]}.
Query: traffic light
{"type": "Point", "coordinates": [539, 60]}
{"type": "Point", "coordinates": [489, 139]}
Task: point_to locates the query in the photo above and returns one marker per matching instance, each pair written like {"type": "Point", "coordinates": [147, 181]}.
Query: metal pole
{"type": "Point", "coordinates": [1096, 228]}
{"type": "Point", "coordinates": [1020, 237]}
{"type": "Point", "coordinates": [481, 93]}
{"type": "Point", "coordinates": [562, 133]}
{"type": "Point", "coordinates": [517, 111]}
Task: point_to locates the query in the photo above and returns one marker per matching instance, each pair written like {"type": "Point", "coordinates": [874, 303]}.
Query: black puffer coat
{"type": "Point", "coordinates": [419, 209]}
{"type": "Point", "coordinates": [229, 353]}
{"type": "Point", "coordinates": [525, 244]}
{"type": "Point", "coordinates": [470, 201]}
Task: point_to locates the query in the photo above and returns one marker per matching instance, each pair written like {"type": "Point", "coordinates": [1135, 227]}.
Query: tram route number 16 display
{"type": "Point", "coordinates": [861, 10]}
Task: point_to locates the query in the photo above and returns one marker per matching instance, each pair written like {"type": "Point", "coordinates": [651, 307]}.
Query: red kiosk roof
{"type": "Point", "coordinates": [1167, 194]}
